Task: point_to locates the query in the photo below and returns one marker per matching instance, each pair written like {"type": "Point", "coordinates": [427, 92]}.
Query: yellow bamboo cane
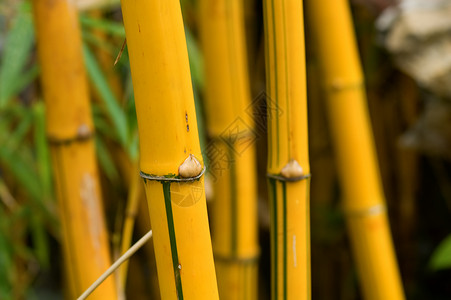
{"type": "Point", "coordinates": [232, 151]}
{"type": "Point", "coordinates": [364, 201]}
{"type": "Point", "coordinates": [69, 129]}
{"type": "Point", "coordinates": [288, 162]}
{"type": "Point", "coordinates": [171, 160]}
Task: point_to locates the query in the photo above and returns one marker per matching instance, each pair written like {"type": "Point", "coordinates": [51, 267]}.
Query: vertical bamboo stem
{"type": "Point", "coordinates": [232, 151]}
{"type": "Point", "coordinates": [69, 130]}
{"type": "Point", "coordinates": [357, 163]}
{"type": "Point", "coordinates": [171, 160]}
{"type": "Point", "coordinates": [288, 161]}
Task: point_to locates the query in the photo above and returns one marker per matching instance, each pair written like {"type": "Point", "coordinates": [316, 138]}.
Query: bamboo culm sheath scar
{"type": "Point", "coordinates": [69, 129]}
{"type": "Point", "coordinates": [364, 201]}
{"type": "Point", "coordinates": [232, 166]}
{"type": "Point", "coordinates": [170, 157]}
{"type": "Point", "coordinates": [288, 161]}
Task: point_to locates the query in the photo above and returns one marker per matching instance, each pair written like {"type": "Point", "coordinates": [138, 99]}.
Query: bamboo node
{"type": "Point", "coordinates": [370, 211]}
{"type": "Point", "coordinates": [292, 170]}
{"type": "Point", "coordinates": [83, 131]}
{"type": "Point", "coordinates": [191, 167]}
{"type": "Point", "coordinates": [285, 179]}
{"type": "Point", "coordinates": [170, 177]}
{"type": "Point", "coordinates": [340, 85]}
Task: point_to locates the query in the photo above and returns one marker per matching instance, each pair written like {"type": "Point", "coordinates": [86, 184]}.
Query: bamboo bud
{"type": "Point", "coordinates": [191, 167]}
{"type": "Point", "coordinates": [292, 169]}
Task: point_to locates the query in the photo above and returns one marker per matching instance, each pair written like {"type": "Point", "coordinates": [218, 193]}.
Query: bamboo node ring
{"type": "Point", "coordinates": [170, 177]}
{"type": "Point", "coordinates": [292, 179]}
{"type": "Point", "coordinates": [370, 211]}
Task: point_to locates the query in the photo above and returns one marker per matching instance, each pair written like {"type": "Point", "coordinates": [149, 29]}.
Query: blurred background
{"type": "Point", "coordinates": [405, 49]}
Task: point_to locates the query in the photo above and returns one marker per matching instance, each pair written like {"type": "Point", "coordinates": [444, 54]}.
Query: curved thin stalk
{"type": "Point", "coordinates": [124, 257]}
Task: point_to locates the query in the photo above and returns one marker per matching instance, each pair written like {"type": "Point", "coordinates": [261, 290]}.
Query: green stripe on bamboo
{"type": "Point", "coordinates": [170, 219]}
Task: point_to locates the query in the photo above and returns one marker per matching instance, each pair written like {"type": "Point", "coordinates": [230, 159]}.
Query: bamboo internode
{"type": "Point", "coordinates": [288, 162]}
{"type": "Point", "coordinates": [171, 160]}
{"type": "Point", "coordinates": [364, 201]}
{"type": "Point", "coordinates": [69, 129]}
{"type": "Point", "coordinates": [232, 150]}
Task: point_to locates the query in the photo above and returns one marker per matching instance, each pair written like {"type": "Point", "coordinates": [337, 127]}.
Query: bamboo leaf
{"type": "Point", "coordinates": [42, 150]}
{"type": "Point", "coordinates": [25, 78]}
{"type": "Point", "coordinates": [105, 160]}
{"type": "Point", "coordinates": [196, 63]}
{"type": "Point", "coordinates": [111, 27]}
{"type": "Point", "coordinates": [111, 104]}
{"type": "Point", "coordinates": [94, 40]}
{"type": "Point", "coordinates": [18, 45]}
{"type": "Point", "coordinates": [21, 170]}
{"type": "Point", "coordinates": [16, 138]}
{"type": "Point", "coordinates": [441, 258]}
{"type": "Point", "coordinates": [102, 126]}
{"type": "Point", "coordinates": [40, 240]}
{"type": "Point", "coordinates": [6, 260]}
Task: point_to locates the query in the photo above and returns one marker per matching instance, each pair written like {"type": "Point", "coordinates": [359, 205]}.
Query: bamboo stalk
{"type": "Point", "coordinates": [232, 150]}
{"type": "Point", "coordinates": [134, 196]}
{"type": "Point", "coordinates": [69, 130]}
{"type": "Point", "coordinates": [364, 201]}
{"type": "Point", "coordinates": [288, 161]}
{"type": "Point", "coordinates": [171, 160]}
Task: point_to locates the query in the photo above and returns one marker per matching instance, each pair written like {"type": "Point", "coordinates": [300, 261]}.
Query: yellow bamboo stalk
{"type": "Point", "coordinates": [69, 130]}
{"type": "Point", "coordinates": [131, 210]}
{"type": "Point", "coordinates": [288, 161]}
{"type": "Point", "coordinates": [171, 160]}
{"type": "Point", "coordinates": [232, 151]}
{"type": "Point", "coordinates": [364, 201]}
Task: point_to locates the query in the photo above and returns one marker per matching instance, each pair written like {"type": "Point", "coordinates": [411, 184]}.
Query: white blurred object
{"type": "Point", "coordinates": [418, 35]}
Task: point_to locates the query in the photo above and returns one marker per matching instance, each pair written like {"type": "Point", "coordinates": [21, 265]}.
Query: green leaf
{"type": "Point", "coordinates": [16, 137]}
{"type": "Point", "coordinates": [101, 124]}
{"type": "Point", "coordinates": [105, 160]}
{"type": "Point", "coordinates": [42, 150]}
{"type": "Point", "coordinates": [18, 46]}
{"type": "Point", "coordinates": [441, 258]}
{"type": "Point", "coordinates": [21, 170]}
{"type": "Point", "coordinates": [94, 40]}
{"type": "Point", "coordinates": [40, 240]}
{"type": "Point", "coordinates": [111, 27]}
{"type": "Point", "coordinates": [195, 59]}
{"type": "Point", "coordinates": [97, 77]}
{"type": "Point", "coordinates": [25, 78]}
{"type": "Point", "coordinates": [6, 258]}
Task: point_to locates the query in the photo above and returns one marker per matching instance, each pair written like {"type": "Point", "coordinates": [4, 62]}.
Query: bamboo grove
{"type": "Point", "coordinates": [199, 176]}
